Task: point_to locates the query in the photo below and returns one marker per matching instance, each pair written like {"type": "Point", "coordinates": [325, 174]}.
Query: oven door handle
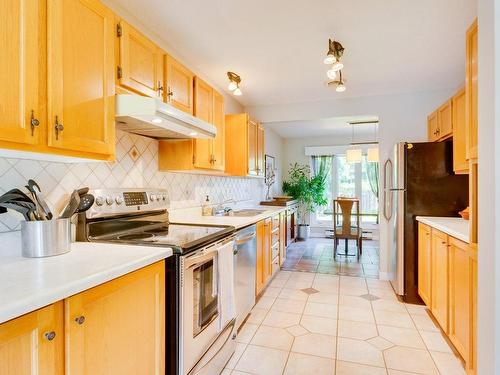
{"type": "Point", "coordinates": [244, 240]}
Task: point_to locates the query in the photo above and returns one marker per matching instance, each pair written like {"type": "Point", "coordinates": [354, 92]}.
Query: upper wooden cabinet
{"type": "Point", "coordinates": [203, 109]}
{"type": "Point", "coordinates": [460, 164]}
{"type": "Point", "coordinates": [80, 76]}
{"type": "Point", "coordinates": [33, 344]}
{"type": "Point", "coordinates": [118, 327]}
{"type": "Point", "coordinates": [244, 146]}
{"type": "Point", "coordinates": [424, 263]}
{"type": "Point", "coordinates": [432, 127]}
{"type": "Point", "coordinates": [471, 91]}
{"type": "Point", "coordinates": [178, 85]}
{"type": "Point", "coordinates": [21, 30]}
{"type": "Point", "coordinates": [440, 125]}
{"type": "Point", "coordinates": [218, 144]}
{"type": "Point", "coordinates": [140, 65]}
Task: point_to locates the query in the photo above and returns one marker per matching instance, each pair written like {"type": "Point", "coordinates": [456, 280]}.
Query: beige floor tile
{"type": "Point", "coordinates": [297, 284]}
{"type": "Point", "coordinates": [301, 364]}
{"type": "Point", "coordinates": [380, 343]}
{"type": "Point", "coordinates": [448, 364]}
{"type": "Point", "coordinates": [401, 336]}
{"type": "Point", "coordinates": [226, 371]}
{"type": "Point", "coordinates": [262, 361]}
{"type": "Point", "coordinates": [326, 279]}
{"type": "Point", "coordinates": [281, 319]}
{"type": "Point", "coordinates": [236, 372]}
{"type": "Point", "coordinates": [352, 290]}
{"type": "Point", "coordinates": [289, 305]}
{"type": "Point", "coordinates": [383, 293]}
{"type": "Point", "coordinates": [411, 360]}
{"type": "Point", "coordinates": [389, 305]}
{"type": "Point", "coordinates": [349, 368]}
{"type": "Point", "coordinates": [356, 330]}
{"type": "Point", "coordinates": [321, 309]}
{"type": "Point", "coordinates": [434, 341]}
{"type": "Point", "coordinates": [356, 314]}
{"type": "Point", "coordinates": [257, 315]}
{"type": "Point", "coordinates": [416, 309]}
{"type": "Point", "coordinates": [354, 301]}
{"type": "Point", "coordinates": [328, 287]}
{"type": "Point", "coordinates": [425, 323]}
{"type": "Point", "coordinates": [379, 284]}
{"type": "Point", "coordinates": [240, 348]}
{"type": "Point", "coordinates": [323, 297]}
{"type": "Point", "coordinates": [396, 372]}
{"type": "Point", "coordinates": [246, 332]}
{"type": "Point", "coordinates": [272, 292]}
{"type": "Point", "coordinates": [297, 330]}
{"type": "Point", "coordinates": [265, 302]}
{"type": "Point", "coordinates": [293, 294]}
{"type": "Point", "coordinates": [278, 283]}
{"type": "Point", "coordinates": [357, 351]}
{"type": "Point", "coordinates": [394, 319]}
{"type": "Point", "coordinates": [272, 337]}
{"type": "Point", "coordinates": [318, 324]}
{"type": "Point", "coordinates": [315, 344]}
{"type": "Point", "coordinates": [344, 280]}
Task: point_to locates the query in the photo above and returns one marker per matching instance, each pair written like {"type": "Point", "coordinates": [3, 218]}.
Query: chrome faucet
{"type": "Point", "coordinates": [220, 210]}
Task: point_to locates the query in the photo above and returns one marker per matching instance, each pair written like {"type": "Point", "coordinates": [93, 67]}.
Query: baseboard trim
{"type": "Point", "coordinates": [385, 275]}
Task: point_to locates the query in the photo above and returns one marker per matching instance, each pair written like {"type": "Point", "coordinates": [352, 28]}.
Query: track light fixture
{"type": "Point", "coordinates": [234, 83]}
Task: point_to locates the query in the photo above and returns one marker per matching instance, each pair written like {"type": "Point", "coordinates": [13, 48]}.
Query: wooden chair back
{"type": "Point", "coordinates": [345, 207]}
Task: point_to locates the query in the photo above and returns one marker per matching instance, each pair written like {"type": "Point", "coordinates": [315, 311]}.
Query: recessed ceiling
{"type": "Point", "coordinates": [331, 127]}
{"type": "Point", "coordinates": [391, 46]}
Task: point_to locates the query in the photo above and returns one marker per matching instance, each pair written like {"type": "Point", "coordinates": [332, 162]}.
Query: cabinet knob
{"type": "Point", "coordinates": [170, 93]}
{"type": "Point", "coordinates": [50, 335]}
{"type": "Point", "coordinates": [58, 128]}
{"type": "Point", "coordinates": [80, 319]}
{"type": "Point", "coordinates": [33, 122]}
{"type": "Point", "coordinates": [160, 88]}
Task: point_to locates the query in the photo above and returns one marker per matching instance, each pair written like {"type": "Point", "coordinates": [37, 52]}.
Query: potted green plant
{"type": "Point", "coordinates": [308, 190]}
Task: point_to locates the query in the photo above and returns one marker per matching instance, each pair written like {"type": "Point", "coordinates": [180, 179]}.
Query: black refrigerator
{"type": "Point", "coordinates": [418, 181]}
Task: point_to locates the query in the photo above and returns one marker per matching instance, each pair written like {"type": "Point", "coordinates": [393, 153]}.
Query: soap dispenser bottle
{"type": "Point", "coordinates": [206, 208]}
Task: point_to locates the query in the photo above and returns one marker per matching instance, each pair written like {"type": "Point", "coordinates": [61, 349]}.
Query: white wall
{"type": "Point", "coordinates": [402, 117]}
{"type": "Point", "coordinates": [273, 146]}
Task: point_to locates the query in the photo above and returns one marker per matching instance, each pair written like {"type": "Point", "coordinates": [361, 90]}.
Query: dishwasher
{"type": "Point", "coordinates": [244, 272]}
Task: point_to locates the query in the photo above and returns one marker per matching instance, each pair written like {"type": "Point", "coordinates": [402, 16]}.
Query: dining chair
{"type": "Point", "coordinates": [344, 227]}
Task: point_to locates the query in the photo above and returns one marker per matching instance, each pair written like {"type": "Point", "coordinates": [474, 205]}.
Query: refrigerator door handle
{"type": "Point", "coordinates": [388, 190]}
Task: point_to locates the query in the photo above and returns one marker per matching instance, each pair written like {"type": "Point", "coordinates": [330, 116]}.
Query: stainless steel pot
{"type": "Point", "coordinates": [45, 238]}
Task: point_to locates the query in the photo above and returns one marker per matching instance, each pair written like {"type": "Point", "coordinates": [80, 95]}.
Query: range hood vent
{"type": "Point", "coordinates": [153, 118]}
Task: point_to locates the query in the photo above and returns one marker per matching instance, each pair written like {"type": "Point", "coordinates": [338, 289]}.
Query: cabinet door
{"type": "Point", "coordinates": [219, 141]}
{"type": "Point", "coordinates": [179, 85]}
{"type": "Point", "coordinates": [432, 127]}
{"type": "Point", "coordinates": [259, 277]}
{"type": "Point", "coordinates": [445, 124]}
{"type": "Point", "coordinates": [20, 70]}
{"type": "Point", "coordinates": [471, 91]}
{"type": "Point", "coordinates": [268, 268]}
{"type": "Point", "coordinates": [252, 147]}
{"type": "Point", "coordinates": [203, 109]}
{"type": "Point", "coordinates": [472, 362]}
{"type": "Point", "coordinates": [424, 263]}
{"type": "Point", "coordinates": [140, 68]}
{"type": "Point", "coordinates": [460, 164]}
{"type": "Point", "coordinates": [80, 76]}
{"type": "Point", "coordinates": [260, 151]}
{"type": "Point", "coordinates": [33, 344]}
{"type": "Point", "coordinates": [118, 327]}
{"type": "Point", "coordinates": [459, 294]}
{"type": "Point", "coordinates": [439, 278]}
{"type": "Point", "coordinates": [282, 238]}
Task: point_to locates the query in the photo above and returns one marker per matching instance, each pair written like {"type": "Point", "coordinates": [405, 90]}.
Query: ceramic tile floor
{"type": "Point", "coordinates": [312, 323]}
{"type": "Point", "coordinates": [316, 255]}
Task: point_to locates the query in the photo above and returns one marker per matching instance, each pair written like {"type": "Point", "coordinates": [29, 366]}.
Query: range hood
{"type": "Point", "coordinates": [153, 118]}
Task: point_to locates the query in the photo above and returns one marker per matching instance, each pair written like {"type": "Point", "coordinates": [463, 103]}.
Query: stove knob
{"type": "Point", "coordinates": [99, 201]}
{"type": "Point", "coordinates": [118, 200]}
{"type": "Point", "coordinates": [152, 197]}
{"type": "Point", "coordinates": [109, 201]}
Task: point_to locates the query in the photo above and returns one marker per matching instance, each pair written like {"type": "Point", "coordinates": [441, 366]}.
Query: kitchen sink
{"type": "Point", "coordinates": [245, 212]}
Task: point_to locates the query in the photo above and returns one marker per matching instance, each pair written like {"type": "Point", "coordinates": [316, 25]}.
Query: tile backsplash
{"type": "Point", "coordinates": [136, 166]}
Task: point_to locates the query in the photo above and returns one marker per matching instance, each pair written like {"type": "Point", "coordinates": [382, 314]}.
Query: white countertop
{"type": "Point", "coordinates": [27, 284]}
{"type": "Point", "coordinates": [194, 216]}
{"type": "Point", "coordinates": [453, 226]}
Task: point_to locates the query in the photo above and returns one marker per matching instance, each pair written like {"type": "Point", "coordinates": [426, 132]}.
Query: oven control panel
{"type": "Point", "coordinates": [110, 202]}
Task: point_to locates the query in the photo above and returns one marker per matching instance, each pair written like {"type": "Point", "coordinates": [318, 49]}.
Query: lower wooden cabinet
{"type": "Point", "coordinates": [260, 278]}
{"type": "Point", "coordinates": [33, 344]}
{"type": "Point", "coordinates": [115, 328]}
{"type": "Point", "coordinates": [439, 278]}
{"type": "Point", "coordinates": [424, 263]}
{"type": "Point", "coordinates": [282, 238]}
{"type": "Point", "coordinates": [270, 252]}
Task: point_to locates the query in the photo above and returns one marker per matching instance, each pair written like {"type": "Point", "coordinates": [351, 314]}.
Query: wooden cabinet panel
{"type": "Point", "coordinates": [282, 238]}
{"type": "Point", "coordinates": [445, 124]}
{"type": "Point", "coordinates": [80, 76]}
{"type": "Point", "coordinates": [459, 296]}
{"type": "Point", "coordinates": [118, 327]}
{"type": "Point", "coordinates": [179, 85]}
{"type": "Point", "coordinates": [203, 109]}
{"type": "Point", "coordinates": [439, 278]}
{"type": "Point", "coordinates": [472, 362]}
{"type": "Point", "coordinates": [252, 147]}
{"type": "Point", "coordinates": [140, 68]}
{"type": "Point", "coordinates": [460, 164]}
{"type": "Point", "coordinates": [471, 90]}
{"type": "Point", "coordinates": [424, 263]}
{"type": "Point", "coordinates": [33, 344]}
{"type": "Point", "coordinates": [218, 144]}
{"type": "Point", "coordinates": [268, 270]}
{"type": "Point", "coordinates": [260, 273]}
{"type": "Point", "coordinates": [20, 70]}
{"type": "Point", "coordinates": [260, 151]}
{"type": "Point", "coordinates": [433, 127]}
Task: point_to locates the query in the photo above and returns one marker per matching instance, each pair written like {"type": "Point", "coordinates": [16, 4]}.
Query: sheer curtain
{"type": "Point", "coordinates": [372, 173]}
{"type": "Point", "coordinates": [322, 164]}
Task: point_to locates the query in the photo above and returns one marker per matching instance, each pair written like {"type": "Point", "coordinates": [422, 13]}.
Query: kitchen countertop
{"type": "Point", "coordinates": [194, 216]}
{"type": "Point", "coordinates": [27, 284]}
{"type": "Point", "coordinates": [453, 226]}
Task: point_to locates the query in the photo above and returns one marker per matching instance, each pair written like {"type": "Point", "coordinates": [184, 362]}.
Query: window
{"type": "Point", "coordinates": [351, 180]}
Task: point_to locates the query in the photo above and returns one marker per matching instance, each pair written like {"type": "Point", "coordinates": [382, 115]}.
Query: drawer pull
{"type": "Point", "coordinates": [50, 335]}
{"type": "Point", "coordinates": [80, 319]}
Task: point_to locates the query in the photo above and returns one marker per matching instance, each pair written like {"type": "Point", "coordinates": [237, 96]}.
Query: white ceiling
{"type": "Point", "coordinates": [277, 46]}
{"type": "Point", "coordinates": [337, 127]}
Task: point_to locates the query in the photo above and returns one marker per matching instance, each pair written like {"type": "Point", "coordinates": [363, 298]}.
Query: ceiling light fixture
{"type": "Point", "coordinates": [234, 83]}
{"type": "Point", "coordinates": [372, 153]}
{"type": "Point", "coordinates": [335, 53]}
{"type": "Point", "coordinates": [339, 83]}
{"type": "Point", "coordinates": [353, 154]}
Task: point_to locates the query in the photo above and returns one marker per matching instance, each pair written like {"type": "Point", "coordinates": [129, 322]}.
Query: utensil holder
{"type": "Point", "coordinates": [45, 238]}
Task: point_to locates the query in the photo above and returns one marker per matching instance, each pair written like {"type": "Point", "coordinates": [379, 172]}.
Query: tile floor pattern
{"type": "Point", "coordinates": [312, 323]}
{"type": "Point", "coordinates": [316, 255]}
